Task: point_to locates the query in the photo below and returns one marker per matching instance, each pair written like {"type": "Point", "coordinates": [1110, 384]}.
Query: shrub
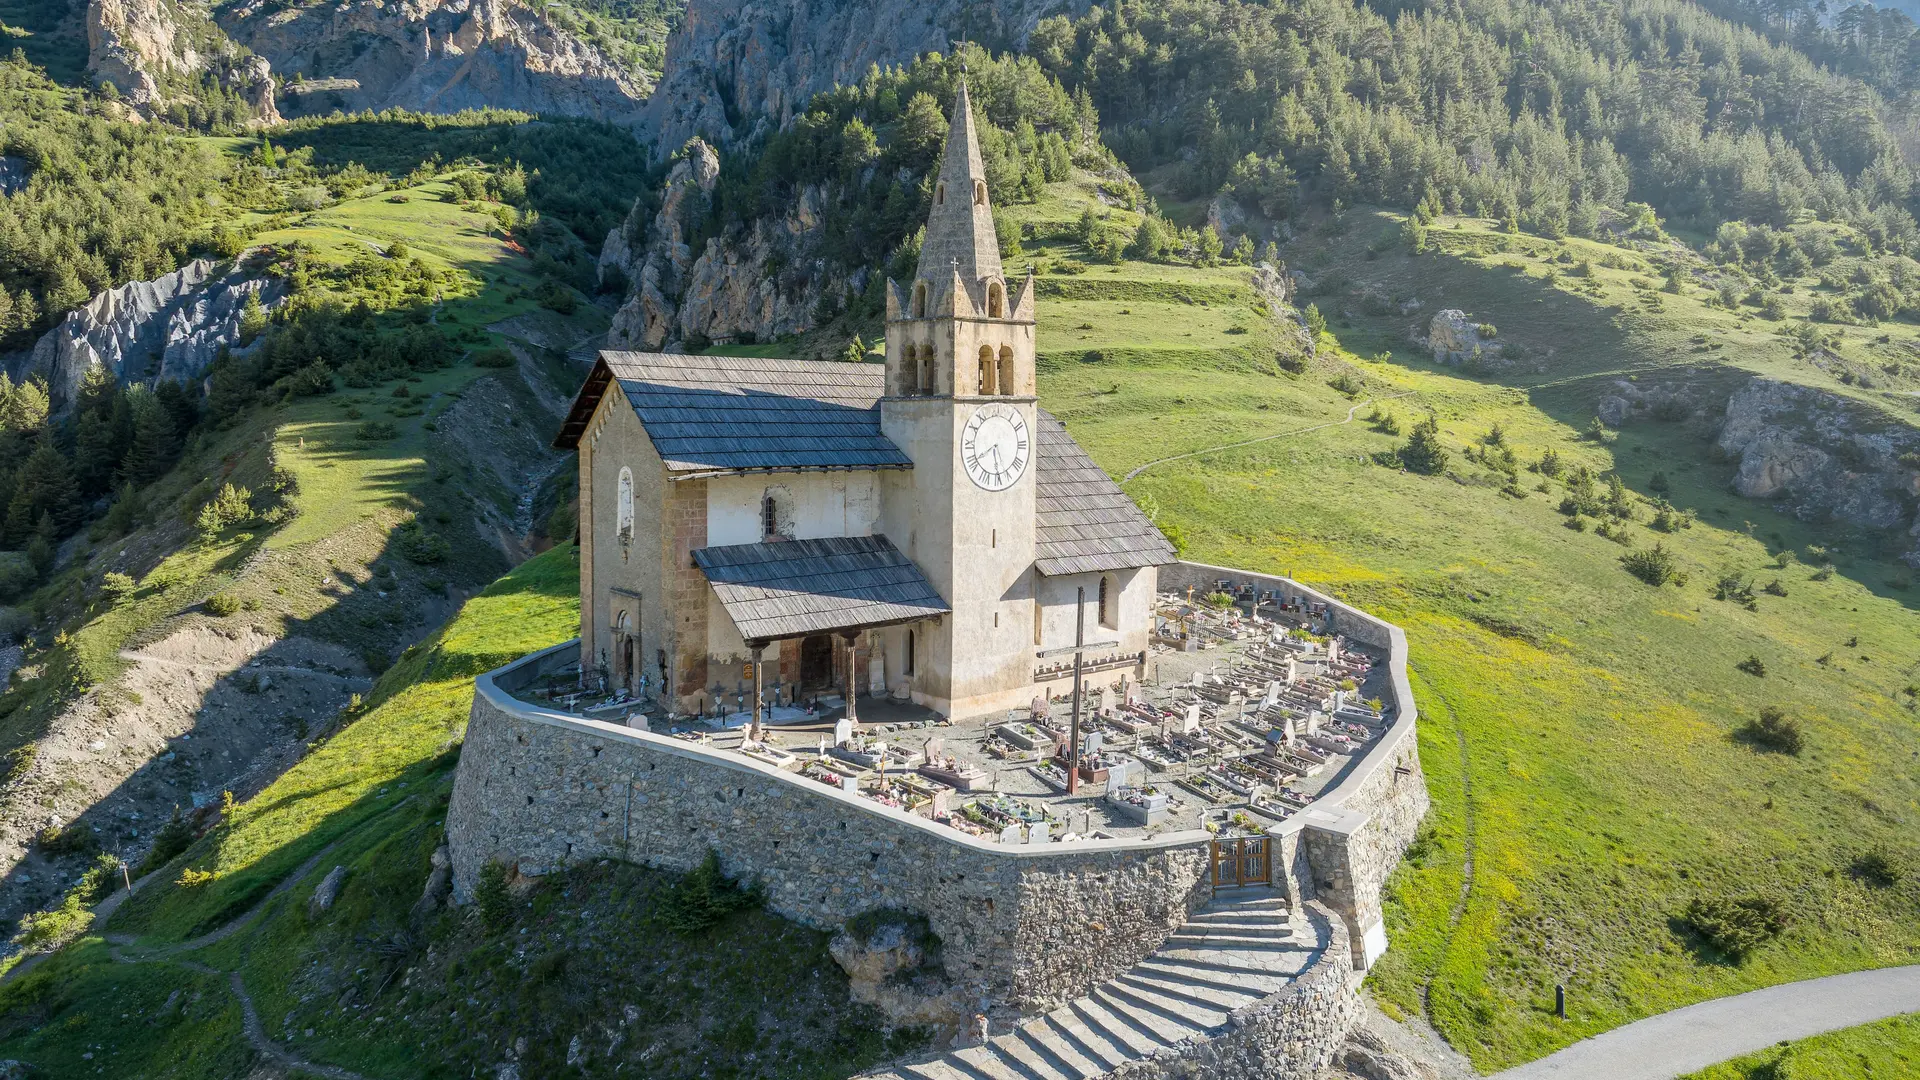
{"type": "Point", "coordinates": [174, 837]}
{"type": "Point", "coordinates": [1775, 731]}
{"type": "Point", "coordinates": [116, 586]}
{"type": "Point", "coordinates": [419, 546]}
{"type": "Point", "coordinates": [48, 931]}
{"type": "Point", "coordinates": [193, 879]}
{"type": "Point", "coordinates": [1754, 666]}
{"type": "Point", "coordinates": [704, 897]}
{"type": "Point", "coordinates": [493, 358]}
{"type": "Point", "coordinates": [1653, 565]}
{"type": "Point", "coordinates": [1877, 869]}
{"type": "Point", "coordinates": [375, 431]}
{"type": "Point", "coordinates": [490, 895]}
{"type": "Point", "coordinates": [1736, 927]}
{"type": "Point", "coordinates": [230, 506]}
{"type": "Point", "coordinates": [1219, 600]}
{"type": "Point", "coordinates": [223, 604]}
{"type": "Point", "coordinates": [71, 840]}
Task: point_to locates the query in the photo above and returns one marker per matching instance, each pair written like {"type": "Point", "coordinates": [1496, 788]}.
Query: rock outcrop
{"type": "Point", "coordinates": [14, 174]}
{"type": "Point", "coordinates": [168, 328]}
{"type": "Point", "coordinates": [1456, 339]}
{"type": "Point", "coordinates": [734, 67]}
{"type": "Point", "coordinates": [433, 56]}
{"type": "Point", "coordinates": [725, 292]}
{"type": "Point", "coordinates": [135, 45]}
{"type": "Point", "coordinates": [1823, 457]}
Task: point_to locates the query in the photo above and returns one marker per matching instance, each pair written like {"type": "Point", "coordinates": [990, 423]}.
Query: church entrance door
{"type": "Point", "coordinates": [816, 662]}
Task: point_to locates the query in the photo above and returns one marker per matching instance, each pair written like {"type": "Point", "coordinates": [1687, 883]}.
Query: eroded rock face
{"type": "Point", "coordinates": [1823, 457]}
{"type": "Point", "coordinates": [135, 44]}
{"type": "Point", "coordinates": [433, 56]}
{"type": "Point", "coordinates": [735, 67]}
{"type": "Point", "coordinates": [14, 174]}
{"type": "Point", "coordinates": [168, 328]}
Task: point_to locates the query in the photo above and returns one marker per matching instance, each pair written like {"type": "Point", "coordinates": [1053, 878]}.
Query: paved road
{"type": "Point", "coordinates": [1685, 1040]}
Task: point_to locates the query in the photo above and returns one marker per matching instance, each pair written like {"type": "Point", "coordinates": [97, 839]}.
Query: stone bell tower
{"type": "Point", "coordinates": [961, 402]}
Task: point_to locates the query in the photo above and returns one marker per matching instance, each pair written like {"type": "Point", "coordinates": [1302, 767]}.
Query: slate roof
{"type": "Point", "coordinates": [707, 413]}
{"type": "Point", "coordinates": [787, 588]}
{"type": "Point", "coordinates": [1086, 523]}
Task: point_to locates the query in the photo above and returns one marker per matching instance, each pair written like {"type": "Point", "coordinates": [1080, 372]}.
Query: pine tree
{"type": "Point", "coordinates": [154, 442]}
{"type": "Point", "coordinates": [1423, 452]}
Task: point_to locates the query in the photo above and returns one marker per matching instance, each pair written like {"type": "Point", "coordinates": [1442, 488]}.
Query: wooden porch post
{"type": "Point", "coordinates": [852, 676]}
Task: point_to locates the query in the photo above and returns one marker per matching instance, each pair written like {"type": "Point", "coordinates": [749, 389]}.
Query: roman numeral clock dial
{"type": "Point", "coordinates": [996, 446]}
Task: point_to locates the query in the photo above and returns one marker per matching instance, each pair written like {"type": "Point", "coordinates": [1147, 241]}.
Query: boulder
{"type": "Point", "coordinates": [1822, 456]}
{"type": "Point", "coordinates": [326, 892]}
{"type": "Point", "coordinates": [1455, 338]}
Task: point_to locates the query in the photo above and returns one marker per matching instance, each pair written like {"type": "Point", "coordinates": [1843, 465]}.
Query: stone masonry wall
{"type": "Point", "coordinates": [1292, 1034]}
{"type": "Point", "coordinates": [1026, 928]}
{"type": "Point", "coordinates": [1355, 833]}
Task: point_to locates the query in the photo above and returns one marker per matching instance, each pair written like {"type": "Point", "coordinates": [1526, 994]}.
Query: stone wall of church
{"type": "Point", "coordinates": [1021, 927]}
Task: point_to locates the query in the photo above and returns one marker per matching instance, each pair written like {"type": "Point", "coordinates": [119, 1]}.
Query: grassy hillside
{"type": "Point", "coordinates": [376, 507]}
{"type": "Point", "coordinates": [576, 970]}
{"type": "Point", "coordinates": [1580, 728]}
{"type": "Point", "coordinates": [1882, 1051]}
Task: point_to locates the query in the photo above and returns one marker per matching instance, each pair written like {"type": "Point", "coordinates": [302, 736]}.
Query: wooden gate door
{"type": "Point", "coordinates": [1240, 861]}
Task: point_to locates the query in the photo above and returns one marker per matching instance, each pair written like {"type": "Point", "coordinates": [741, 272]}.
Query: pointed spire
{"type": "Point", "coordinates": [960, 236]}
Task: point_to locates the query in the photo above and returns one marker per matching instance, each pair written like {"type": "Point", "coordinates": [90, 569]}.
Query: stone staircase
{"type": "Point", "coordinates": [1238, 949]}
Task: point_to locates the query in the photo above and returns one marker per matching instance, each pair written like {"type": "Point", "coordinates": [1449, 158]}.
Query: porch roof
{"type": "Point", "coordinates": [790, 588]}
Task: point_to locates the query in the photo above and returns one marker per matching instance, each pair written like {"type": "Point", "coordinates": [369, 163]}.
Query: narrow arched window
{"type": "Point", "coordinates": [940, 195]}
{"type": "Point", "coordinates": [1039, 617]}
{"type": "Point", "coordinates": [986, 369]}
{"type": "Point", "coordinates": [625, 504]}
{"type": "Point", "coordinates": [919, 309]}
{"type": "Point", "coordinates": [769, 516]}
{"type": "Point", "coordinates": [929, 371]}
{"type": "Point", "coordinates": [996, 301]}
{"type": "Point", "coordinates": [1008, 384]}
{"type": "Point", "coordinates": [979, 193]}
{"type": "Point", "coordinates": [907, 668]}
{"type": "Point", "coordinates": [1108, 602]}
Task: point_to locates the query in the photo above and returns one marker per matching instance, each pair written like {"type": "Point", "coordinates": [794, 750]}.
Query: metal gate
{"type": "Point", "coordinates": [1240, 861]}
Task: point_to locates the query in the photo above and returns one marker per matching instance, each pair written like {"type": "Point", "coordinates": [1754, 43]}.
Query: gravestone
{"type": "Point", "coordinates": [850, 785]}
{"type": "Point", "coordinates": [941, 801]}
{"type": "Point", "coordinates": [1190, 722]}
{"type": "Point", "coordinates": [1010, 834]}
{"type": "Point", "coordinates": [1333, 651]}
{"type": "Point", "coordinates": [1106, 701]}
{"type": "Point", "coordinates": [842, 732]}
{"type": "Point", "coordinates": [1273, 695]}
{"type": "Point", "coordinates": [877, 676]}
{"type": "Point", "coordinates": [1094, 740]}
{"type": "Point", "coordinates": [1037, 833]}
{"type": "Point", "coordinates": [936, 749]}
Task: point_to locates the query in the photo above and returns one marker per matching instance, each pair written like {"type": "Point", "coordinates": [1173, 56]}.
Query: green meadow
{"type": "Point", "coordinates": [1580, 730]}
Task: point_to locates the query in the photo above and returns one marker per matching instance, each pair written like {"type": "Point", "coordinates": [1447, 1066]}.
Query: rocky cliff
{"type": "Point", "coordinates": [138, 45]}
{"type": "Point", "coordinates": [726, 291]}
{"type": "Point", "coordinates": [1824, 457]}
{"type": "Point", "coordinates": [432, 56]}
{"type": "Point", "coordinates": [735, 66]}
{"type": "Point", "coordinates": [168, 328]}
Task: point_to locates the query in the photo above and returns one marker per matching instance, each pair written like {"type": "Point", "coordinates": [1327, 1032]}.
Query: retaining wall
{"type": "Point", "coordinates": [1027, 927]}
{"type": "Point", "coordinates": [1354, 834]}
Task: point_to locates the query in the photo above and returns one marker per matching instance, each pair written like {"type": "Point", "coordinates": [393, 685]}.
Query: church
{"type": "Point", "coordinates": [919, 529]}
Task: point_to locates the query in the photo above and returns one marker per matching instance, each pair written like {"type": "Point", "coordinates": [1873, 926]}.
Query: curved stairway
{"type": "Point", "coordinates": [1238, 949]}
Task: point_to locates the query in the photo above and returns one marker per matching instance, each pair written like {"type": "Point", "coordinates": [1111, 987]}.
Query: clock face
{"type": "Point", "coordinates": [996, 446]}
